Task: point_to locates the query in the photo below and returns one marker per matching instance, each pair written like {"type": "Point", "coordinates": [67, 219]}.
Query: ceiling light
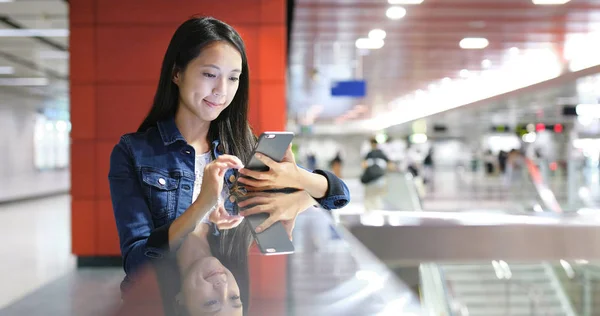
{"type": "Point", "coordinates": [25, 82]}
{"type": "Point", "coordinates": [486, 63]}
{"type": "Point", "coordinates": [6, 1]}
{"type": "Point", "coordinates": [377, 34]}
{"type": "Point", "coordinates": [369, 43]}
{"type": "Point", "coordinates": [446, 80]}
{"type": "Point", "coordinates": [549, 2]}
{"type": "Point", "coordinates": [590, 110]}
{"type": "Point", "coordinates": [34, 32]}
{"type": "Point", "coordinates": [513, 50]}
{"type": "Point", "coordinates": [474, 43]}
{"type": "Point", "coordinates": [395, 13]}
{"type": "Point", "coordinates": [405, 1]}
{"type": "Point", "coordinates": [7, 70]}
{"type": "Point", "coordinates": [464, 73]}
{"type": "Point", "coordinates": [418, 138]}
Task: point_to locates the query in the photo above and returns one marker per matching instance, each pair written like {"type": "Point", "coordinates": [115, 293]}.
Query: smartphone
{"type": "Point", "coordinates": [273, 145]}
{"type": "Point", "coordinates": [274, 240]}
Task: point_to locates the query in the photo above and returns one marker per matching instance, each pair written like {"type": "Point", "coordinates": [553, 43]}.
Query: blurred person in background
{"type": "Point", "coordinates": [514, 174]}
{"type": "Point", "coordinates": [502, 157]}
{"type": "Point", "coordinates": [336, 164]}
{"type": "Point", "coordinates": [375, 165]}
{"type": "Point", "coordinates": [489, 159]}
{"type": "Point", "coordinates": [428, 167]}
{"type": "Point", "coordinates": [182, 164]}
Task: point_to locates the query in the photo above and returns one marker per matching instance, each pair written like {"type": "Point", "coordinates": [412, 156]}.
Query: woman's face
{"type": "Point", "coordinates": [209, 82]}
{"type": "Point", "coordinates": [210, 289]}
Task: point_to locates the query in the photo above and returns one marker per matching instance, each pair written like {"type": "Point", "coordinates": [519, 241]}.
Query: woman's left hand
{"type": "Point", "coordinates": [284, 174]}
{"type": "Point", "coordinates": [283, 207]}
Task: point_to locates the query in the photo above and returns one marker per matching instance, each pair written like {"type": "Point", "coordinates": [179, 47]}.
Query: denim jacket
{"type": "Point", "coordinates": [151, 183]}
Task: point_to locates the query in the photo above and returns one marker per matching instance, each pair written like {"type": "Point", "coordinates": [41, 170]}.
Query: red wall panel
{"type": "Point", "coordinates": [83, 112]}
{"type": "Point", "coordinates": [106, 232]}
{"type": "Point", "coordinates": [82, 54]}
{"type": "Point", "coordinates": [174, 12]}
{"type": "Point", "coordinates": [121, 108]}
{"type": "Point", "coordinates": [102, 152]}
{"type": "Point", "coordinates": [131, 54]}
{"type": "Point", "coordinates": [83, 228]}
{"type": "Point", "coordinates": [83, 164]}
{"type": "Point", "coordinates": [271, 40]}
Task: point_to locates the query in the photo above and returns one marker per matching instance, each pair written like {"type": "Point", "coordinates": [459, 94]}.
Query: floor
{"type": "Point", "coordinates": [37, 245]}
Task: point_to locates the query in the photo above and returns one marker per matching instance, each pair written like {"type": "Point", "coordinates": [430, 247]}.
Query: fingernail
{"type": "Point", "coordinates": [258, 229]}
{"type": "Point", "coordinates": [258, 155]}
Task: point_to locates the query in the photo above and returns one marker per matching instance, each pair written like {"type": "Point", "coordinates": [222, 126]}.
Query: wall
{"type": "Point", "coordinates": [17, 118]}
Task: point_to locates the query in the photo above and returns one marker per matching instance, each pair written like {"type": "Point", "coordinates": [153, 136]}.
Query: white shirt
{"type": "Point", "coordinates": [201, 161]}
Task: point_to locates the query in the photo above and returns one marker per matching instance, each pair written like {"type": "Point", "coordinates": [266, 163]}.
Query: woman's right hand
{"type": "Point", "coordinates": [212, 180]}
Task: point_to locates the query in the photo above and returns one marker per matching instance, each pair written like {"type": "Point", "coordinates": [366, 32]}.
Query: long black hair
{"type": "Point", "coordinates": [231, 128]}
{"type": "Point", "coordinates": [231, 247]}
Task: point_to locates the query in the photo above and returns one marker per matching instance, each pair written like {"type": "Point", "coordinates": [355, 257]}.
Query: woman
{"type": "Point", "coordinates": [182, 162]}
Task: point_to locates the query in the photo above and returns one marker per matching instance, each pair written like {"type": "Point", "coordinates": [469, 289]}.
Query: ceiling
{"type": "Point", "coordinates": [421, 48]}
{"type": "Point", "coordinates": [35, 57]}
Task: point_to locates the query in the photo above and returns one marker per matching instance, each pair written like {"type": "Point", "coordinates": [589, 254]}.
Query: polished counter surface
{"type": "Point", "coordinates": [401, 237]}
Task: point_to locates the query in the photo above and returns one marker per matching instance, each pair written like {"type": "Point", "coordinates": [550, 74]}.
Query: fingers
{"type": "Point", "coordinates": [289, 227]}
{"type": "Point", "coordinates": [223, 219]}
{"type": "Point", "coordinates": [266, 160]}
{"type": "Point", "coordinates": [221, 166]}
{"type": "Point", "coordinates": [258, 175]}
{"type": "Point", "coordinates": [231, 160]}
{"type": "Point", "coordinates": [255, 200]}
{"type": "Point", "coordinates": [289, 155]}
{"type": "Point", "coordinates": [266, 224]}
{"type": "Point", "coordinates": [229, 224]}
{"type": "Point", "coordinates": [252, 182]}
{"type": "Point", "coordinates": [256, 209]}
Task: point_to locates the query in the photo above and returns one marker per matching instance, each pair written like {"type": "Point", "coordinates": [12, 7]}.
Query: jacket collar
{"type": "Point", "coordinates": [169, 133]}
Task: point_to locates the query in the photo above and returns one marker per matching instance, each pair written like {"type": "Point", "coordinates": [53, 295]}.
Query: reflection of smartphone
{"type": "Point", "coordinates": [272, 241]}
{"type": "Point", "coordinates": [273, 145]}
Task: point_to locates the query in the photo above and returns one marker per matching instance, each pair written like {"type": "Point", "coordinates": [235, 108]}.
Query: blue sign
{"type": "Point", "coordinates": [352, 88]}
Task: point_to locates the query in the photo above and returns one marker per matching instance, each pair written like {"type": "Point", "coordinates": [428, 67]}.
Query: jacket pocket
{"type": "Point", "coordinates": [160, 188]}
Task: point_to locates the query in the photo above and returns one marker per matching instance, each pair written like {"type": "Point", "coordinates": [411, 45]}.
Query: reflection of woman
{"type": "Point", "coordinates": [182, 162]}
{"type": "Point", "coordinates": [207, 285]}
{"type": "Point", "coordinates": [201, 278]}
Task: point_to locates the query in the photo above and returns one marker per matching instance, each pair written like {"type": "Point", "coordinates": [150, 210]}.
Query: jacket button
{"type": "Point", "coordinates": [186, 187]}
{"type": "Point", "coordinates": [162, 181]}
{"type": "Point", "coordinates": [221, 148]}
{"type": "Point", "coordinates": [232, 199]}
{"type": "Point", "coordinates": [232, 178]}
{"type": "Point", "coordinates": [188, 152]}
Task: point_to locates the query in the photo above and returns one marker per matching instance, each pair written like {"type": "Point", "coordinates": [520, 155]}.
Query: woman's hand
{"type": "Point", "coordinates": [212, 180]}
{"type": "Point", "coordinates": [284, 174]}
{"type": "Point", "coordinates": [223, 220]}
{"type": "Point", "coordinates": [283, 207]}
